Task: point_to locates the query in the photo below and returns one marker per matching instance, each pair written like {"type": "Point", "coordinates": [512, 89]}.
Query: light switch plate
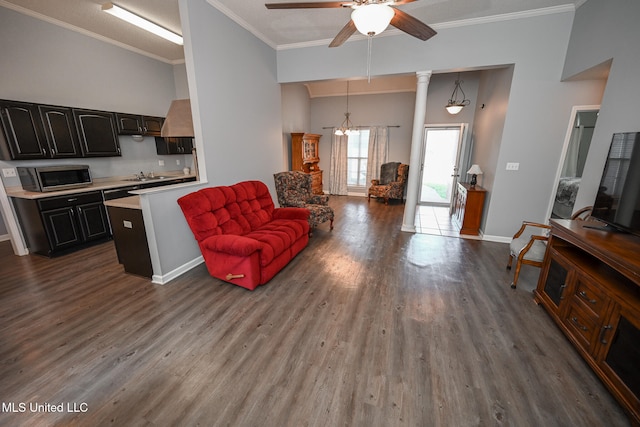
{"type": "Point", "coordinates": [513, 166]}
{"type": "Point", "coordinates": [127, 224]}
{"type": "Point", "coordinates": [8, 172]}
{"type": "Point", "coordinates": [160, 162]}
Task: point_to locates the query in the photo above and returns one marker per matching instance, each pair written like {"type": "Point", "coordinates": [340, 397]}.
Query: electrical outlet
{"type": "Point", "coordinates": [160, 162]}
{"type": "Point", "coordinates": [9, 172]}
{"type": "Point", "coordinates": [513, 166]}
{"type": "Point", "coordinates": [127, 224]}
{"type": "Point", "coordinates": [177, 161]}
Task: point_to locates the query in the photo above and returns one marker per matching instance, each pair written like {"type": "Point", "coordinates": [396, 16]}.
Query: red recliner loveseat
{"type": "Point", "coordinates": [243, 237]}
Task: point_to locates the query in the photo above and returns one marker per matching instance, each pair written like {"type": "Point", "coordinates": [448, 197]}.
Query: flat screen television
{"type": "Point", "coordinates": [618, 199]}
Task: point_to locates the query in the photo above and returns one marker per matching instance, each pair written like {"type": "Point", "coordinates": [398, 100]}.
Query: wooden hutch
{"type": "Point", "coordinates": [305, 157]}
{"type": "Point", "coordinates": [590, 286]}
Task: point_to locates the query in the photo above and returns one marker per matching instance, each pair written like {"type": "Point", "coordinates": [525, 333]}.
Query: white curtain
{"type": "Point", "coordinates": [338, 166]}
{"type": "Point", "coordinates": [378, 150]}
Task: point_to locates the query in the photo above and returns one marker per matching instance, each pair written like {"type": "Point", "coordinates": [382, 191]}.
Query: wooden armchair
{"type": "Point", "coordinates": [530, 250]}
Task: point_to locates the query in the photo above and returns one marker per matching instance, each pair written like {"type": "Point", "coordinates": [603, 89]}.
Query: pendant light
{"type": "Point", "coordinates": [454, 106]}
{"type": "Point", "coordinates": [347, 128]}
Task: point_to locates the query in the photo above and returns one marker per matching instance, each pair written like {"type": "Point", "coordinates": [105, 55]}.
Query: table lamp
{"type": "Point", "coordinates": [474, 171]}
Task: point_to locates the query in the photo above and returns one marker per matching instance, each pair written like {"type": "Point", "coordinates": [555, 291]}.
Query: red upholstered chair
{"type": "Point", "coordinates": [243, 238]}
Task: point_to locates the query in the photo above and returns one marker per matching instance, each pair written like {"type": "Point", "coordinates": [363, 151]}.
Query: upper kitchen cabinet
{"type": "Point", "coordinates": [22, 132]}
{"type": "Point", "coordinates": [134, 124]}
{"type": "Point", "coordinates": [60, 131]}
{"type": "Point", "coordinates": [97, 132]}
{"type": "Point", "coordinates": [173, 145]}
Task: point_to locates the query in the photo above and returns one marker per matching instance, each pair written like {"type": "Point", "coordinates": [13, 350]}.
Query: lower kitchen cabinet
{"type": "Point", "coordinates": [130, 237]}
{"type": "Point", "coordinates": [59, 224]}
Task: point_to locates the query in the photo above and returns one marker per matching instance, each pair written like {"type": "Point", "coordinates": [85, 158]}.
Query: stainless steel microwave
{"type": "Point", "coordinates": [53, 178]}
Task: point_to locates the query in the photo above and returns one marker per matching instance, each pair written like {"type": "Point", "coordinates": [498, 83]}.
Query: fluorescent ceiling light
{"type": "Point", "coordinates": [138, 21]}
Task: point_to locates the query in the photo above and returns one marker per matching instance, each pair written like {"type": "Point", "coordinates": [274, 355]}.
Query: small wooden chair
{"type": "Point", "coordinates": [530, 250]}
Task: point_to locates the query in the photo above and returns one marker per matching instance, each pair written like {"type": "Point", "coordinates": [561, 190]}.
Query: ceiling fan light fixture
{"type": "Point", "coordinates": [141, 22]}
{"type": "Point", "coordinates": [372, 19]}
{"type": "Point", "coordinates": [454, 106]}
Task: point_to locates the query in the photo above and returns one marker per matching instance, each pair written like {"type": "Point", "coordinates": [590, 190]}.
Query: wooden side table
{"type": "Point", "coordinates": [468, 208]}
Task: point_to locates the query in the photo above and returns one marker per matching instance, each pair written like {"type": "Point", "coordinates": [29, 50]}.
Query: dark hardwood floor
{"type": "Point", "coordinates": [368, 326]}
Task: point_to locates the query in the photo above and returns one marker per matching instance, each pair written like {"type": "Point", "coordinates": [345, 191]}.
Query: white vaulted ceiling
{"type": "Point", "coordinates": [278, 28]}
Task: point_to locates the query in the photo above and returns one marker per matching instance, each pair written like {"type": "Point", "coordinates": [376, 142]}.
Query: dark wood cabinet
{"type": "Point", "coordinates": [135, 124]}
{"type": "Point", "coordinates": [60, 131]}
{"type": "Point", "coordinates": [173, 145]}
{"type": "Point", "coordinates": [97, 132]}
{"type": "Point", "coordinates": [57, 224]}
{"type": "Point", "coordinates": [22, 131]}
{"type": "Point", "coordinates": [130, 240]}
{"type": "Point", "coordinates": [590, 286]}
{"type": "Point", "coordinates": [468, 208]}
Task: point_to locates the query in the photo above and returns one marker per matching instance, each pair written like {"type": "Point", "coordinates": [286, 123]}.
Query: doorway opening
{"type": "Point", "coordinates": [574, 154]}
{"type": "Point", "coordinates": [440, 165]}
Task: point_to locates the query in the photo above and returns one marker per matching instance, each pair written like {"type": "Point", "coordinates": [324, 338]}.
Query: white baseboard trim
{"type": "Point", "coordinates": [166, 278]}
{"type": "Point", "coordinates": [499, 239]}
{"type": "Point", "coordinates": [4, 237]}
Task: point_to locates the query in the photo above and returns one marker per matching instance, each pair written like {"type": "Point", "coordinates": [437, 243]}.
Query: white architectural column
{"type": "Point", "coordinates": [420, 111]}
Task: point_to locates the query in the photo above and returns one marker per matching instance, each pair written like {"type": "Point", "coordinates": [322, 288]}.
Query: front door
{"type": "Point", "coordinates": [442, 145]}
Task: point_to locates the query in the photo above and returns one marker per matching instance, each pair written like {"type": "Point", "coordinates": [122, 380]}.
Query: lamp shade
{"type": "Point", "coordinates": [372, 19]}
{"type": "Point", "coordinates": [454, 109]}
{"type": "Point", "coordinates": [474, 170]}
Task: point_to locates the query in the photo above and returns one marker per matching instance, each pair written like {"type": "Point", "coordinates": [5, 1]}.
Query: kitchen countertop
{"type": "Point", "coordinates": [98, 184]}
{"type": "Point", "coordinates": [131, 202]}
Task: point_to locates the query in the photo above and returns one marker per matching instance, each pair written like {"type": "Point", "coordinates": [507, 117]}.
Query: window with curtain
{"type": "Point", "coordinates": [357, 157]}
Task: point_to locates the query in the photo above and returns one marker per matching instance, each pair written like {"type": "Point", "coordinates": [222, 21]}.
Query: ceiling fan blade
{"type": "Point", "coordinates": [346, 32]}
{"type": "Point", "coordinates": [412, 26]}
{"type": "Point", "coordinates": [309, 5]}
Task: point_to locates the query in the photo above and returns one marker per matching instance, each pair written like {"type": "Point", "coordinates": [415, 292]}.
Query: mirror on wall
{"type": "Point", "coordinates": [576, 148]}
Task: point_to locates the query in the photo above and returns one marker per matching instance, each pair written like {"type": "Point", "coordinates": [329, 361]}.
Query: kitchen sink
{"type": "Point", "coordinates": [146, 178]}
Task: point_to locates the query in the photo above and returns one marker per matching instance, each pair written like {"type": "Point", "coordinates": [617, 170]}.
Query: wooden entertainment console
{"type": "Point", "coordinates": [590, 285]}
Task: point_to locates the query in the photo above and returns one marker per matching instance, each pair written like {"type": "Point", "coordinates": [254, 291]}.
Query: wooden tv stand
{"type": "Point", "coordinates": [590, 285]}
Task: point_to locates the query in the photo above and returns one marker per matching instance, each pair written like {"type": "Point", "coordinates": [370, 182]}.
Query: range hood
{"type": "Point", "coordinates": [178, 123]}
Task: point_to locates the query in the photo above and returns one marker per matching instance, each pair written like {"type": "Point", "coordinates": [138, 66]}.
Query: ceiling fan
{"type": "Point", "coordinates": [369, 17]}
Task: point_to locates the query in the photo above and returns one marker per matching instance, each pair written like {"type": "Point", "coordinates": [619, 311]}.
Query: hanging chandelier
{"type": "Point", "coordinates": [454, 106]}
{"type": "Point", "coordinates": [347, 128]}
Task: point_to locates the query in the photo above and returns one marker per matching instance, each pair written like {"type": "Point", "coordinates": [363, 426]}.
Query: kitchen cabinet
{"type": "Point", "coordinates": [60, 131]}
{"type": "Point", "coordinates": [590, 287]}
{"type": "Point", "coordinates": [22, 132]}
{"type": "Point", "coordinates": [134, 124]}
{"type": "Point", "coordinates": [97, 132]}
{"type": "Point", "coordinates": [173, 145]}
{"type": "Point", "coordinates": [55, 225]}
{"type": "Point", "coordinates": [129, 236]}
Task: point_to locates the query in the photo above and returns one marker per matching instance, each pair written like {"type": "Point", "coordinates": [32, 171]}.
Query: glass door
{"type": "Point", "coordinates": [440, 164]}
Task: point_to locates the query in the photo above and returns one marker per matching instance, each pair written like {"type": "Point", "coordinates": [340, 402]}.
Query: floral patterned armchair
{"type": "Point", "coordinates": [392, 182]}
{"type": "Point", "coordinates": [293, 189]}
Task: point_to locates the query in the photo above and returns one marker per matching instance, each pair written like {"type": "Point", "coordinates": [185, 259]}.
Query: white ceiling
{"type": "Point", "coordinates": [278, 28]}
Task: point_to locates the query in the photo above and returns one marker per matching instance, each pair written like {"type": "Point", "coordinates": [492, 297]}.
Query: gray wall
{"type": "Point", "coordinates": [237, 107]}
{"type": "Point", "coordinates": [539, 104]}
{"type": "Point", "coordinates": [605, 30]}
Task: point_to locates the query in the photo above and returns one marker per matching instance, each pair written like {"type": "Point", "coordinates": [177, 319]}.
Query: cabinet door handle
{"type": "Point", "coordinates": [562, 290]}
{"type": "Point", "coordinates": [575, 320]}
{"type": "Point", "coordinates": [73, 199]}
{"type": "Point", "coordinates": [603, 333]}
{"type": "Point", "coordinates": [583, 294]}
